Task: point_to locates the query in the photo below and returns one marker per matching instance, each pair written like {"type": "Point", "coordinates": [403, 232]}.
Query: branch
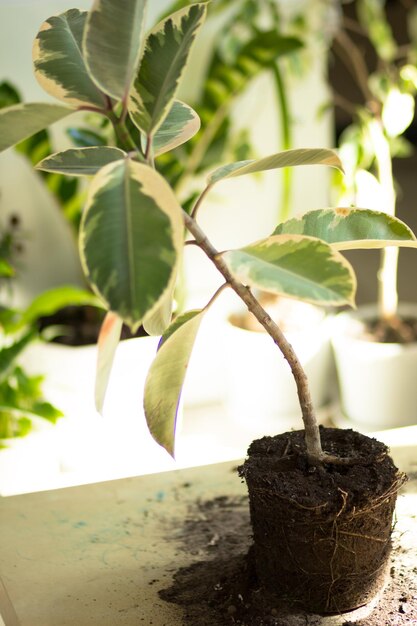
{"type": "Point", "coordinates": [312, 434]}
{"type": "Point", "coordinates": [353, 60]}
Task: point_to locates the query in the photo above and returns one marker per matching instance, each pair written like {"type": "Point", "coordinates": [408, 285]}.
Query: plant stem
{"type": "Point", "coordinates": [312, 434]}
{"type": "Point", "coordinates": [387, 275]}
{"type": "Point", "coordinates": [122, 133]}
{"type": "Point", "coordinates": [281, 94]}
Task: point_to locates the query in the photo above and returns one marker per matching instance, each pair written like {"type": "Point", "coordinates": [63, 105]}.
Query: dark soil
{"type": "Point", "coordinates": [321, 536]}
{"type": "Point", "coordinates": [393, 330]}
{"type": "Point", "coordinates": [79, 326]}
{"type": "Point", "coordinates": [223, 588]}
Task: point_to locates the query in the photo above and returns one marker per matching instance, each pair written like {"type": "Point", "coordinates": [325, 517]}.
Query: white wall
{"type": "Point", "coordinates": [237, 212]}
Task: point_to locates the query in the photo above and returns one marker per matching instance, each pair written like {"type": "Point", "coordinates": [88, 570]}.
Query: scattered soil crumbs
{"type": "Point", "coordinates": [221, 588]}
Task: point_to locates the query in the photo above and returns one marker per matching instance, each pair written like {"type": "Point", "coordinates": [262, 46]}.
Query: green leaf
{"type": "Point", "coordinates": [156, 322]}
{"type": "Point", "coordinates": [347, 229]}
{"type": "Point", "coordinates": [108, 341]}
{"type": "Point", "coordinates": [167, 49]}
{"type": "Point", "coordinates": [9, 353]}
{"type": "Point", "coordinates": [301, 267]}
{"type": "Point", "coordinates": [166, 376]}
{"type": "Point", "coordinates": [288, 158]}
{"type": "Point", "coordinates": [181, 123]}
{"type": "Point", "coordinates": [59, 63]}
{"type": "Point", "coordinates": [131, 236]}
{"type": "Point", "coordinates": [8, 95]}
{"type": "Point", "coordinates": [85, 137]}
{"type": "Point", "coordinates": [51, 301]}
{"type": "Point", "coordinates": [23, 120]}
{"type": "Point", "coordinates": [47, 411]}
{"type": "Point", "coordinates": [81, 161]}
{"type": "Point", "coordinates": [112, 44]}
{"type": "Point", "coordinates": [373, 18]}
{"type": "Point", "coordinates": [6, 270]}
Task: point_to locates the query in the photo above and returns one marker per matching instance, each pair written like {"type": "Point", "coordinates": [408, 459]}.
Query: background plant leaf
{"type": "Point", "coordinates": [59, 62]}
{"type": "Point", "coordinates": [347, 229]}
{"type": "Point", "coordinates": [166, 377]}
{"type": "Point", "coordinates": [81, 161]}
{"type": "Point", "coordinates": [23, 120]}
{"type": "Point", "coordinates": [288, 158]}
{"type": "Point", "coordinates": [130, 238]}
{"type": "Point", "coordinates": [112, 44]}
{"type": "Point", "coordinates": [51, 301]}
{"type": "Point", "coordinates": [167, 49]}
{"type": "Point", "coordinates": [9, 353]}
{"type": "Point", "coordinates": [293, 265]}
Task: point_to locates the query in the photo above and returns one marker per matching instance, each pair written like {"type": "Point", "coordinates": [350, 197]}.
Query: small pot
{"type": "Point", "coordinates": [260, 381]}
{"type": "Point", "coordinates": [322, 539]}
{"type": "Point", "coordinates": [29, 463]}
{"type": "Point", "coordinates": [377, 381]}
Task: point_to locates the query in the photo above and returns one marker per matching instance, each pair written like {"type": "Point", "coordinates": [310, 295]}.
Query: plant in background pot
{"type": "Point", "coordinates": [321, 500]}
{"type": "Point", "coordinates": [23, 408]}
{"type": "Point", "coordinates": [376, 346]}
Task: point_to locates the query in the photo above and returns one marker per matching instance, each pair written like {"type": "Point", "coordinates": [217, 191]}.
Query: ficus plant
{"type": "Point", "coordinates": [383, 112]}
{"type": "Point", "coordinates": [133, 229]}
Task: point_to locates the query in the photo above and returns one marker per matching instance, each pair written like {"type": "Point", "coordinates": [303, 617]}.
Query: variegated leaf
{"type": "Point", "coordinates": [301, 267]}
{"type": "Point", "coordinates": [130, 238]}
{"type": "Point", "coordinates": [347, 229]}
{"type": "Point", "coordinates": [112, 44]}
{"type": "Point", "coordinates": [21, 121]}
{"type": "Point", "coordinates": [288, 158]}
{"type": "Point", "coordinates": [158, 321]}
{"type": "Point", "coordinates": [166, 377]}
{"type": "Point", "coordinates": [59, 62]}
{"type": "Point", "coordinates": [181, 123]}
{"type": "Point", "coordinates": [108, 341]}
{"type": "Point", "coordinates": [81, 161]}
{"type": "Point", "coordinates": [167, 49]}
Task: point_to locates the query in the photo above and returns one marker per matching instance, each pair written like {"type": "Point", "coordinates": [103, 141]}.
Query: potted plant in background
{"type": "Point", "coordinates": [375, 346]}
{"type": "Point", "coordinates": [23, 408]}
{"type": "Point", "coordinates": [131, 239]}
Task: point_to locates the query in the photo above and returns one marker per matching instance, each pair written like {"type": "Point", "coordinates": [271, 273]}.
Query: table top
{"type": "Point", "coordinates": [98, 554]}
{"type": "Point", "coordinates": [91, 554]}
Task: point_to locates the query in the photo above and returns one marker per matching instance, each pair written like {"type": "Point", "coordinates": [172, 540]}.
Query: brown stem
{"type": "Point", "coordinates": [312, 433]}
{"type": "Point", "coordinates": [353, 59]}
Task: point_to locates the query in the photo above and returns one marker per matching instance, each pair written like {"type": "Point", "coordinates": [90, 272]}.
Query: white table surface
{"type": "Point", "coordinates": [87, 555]}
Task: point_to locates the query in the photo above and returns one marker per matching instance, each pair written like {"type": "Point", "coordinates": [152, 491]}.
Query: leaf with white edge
{"type": "Point", "coordinates": [108, 341]}
{"type": "Point", "coordinates": [288, 158]}
{"type": "Point", "coordinates": [81, 161]}
{"type": "Point", "coordinates": [166, 377]}
{"type": "Point", "coordinates": [112, 44]}
{"type": "Point", "coordinates": [21, 121]}
{"type": "Point", "coordinates": [293, 265]}
{"type": "Point", "coordinates": [59, 62]}
{"type": "Point", "coordinates": [347, 229]}
{"type": "Point", "coordinates": [131, 237]}
{"type": "Point", "coordinates": [157, 322]}
{"type": "Point", "coordinates": [181, 123]}
{"type": "Point", "coordinates": [167, 49]}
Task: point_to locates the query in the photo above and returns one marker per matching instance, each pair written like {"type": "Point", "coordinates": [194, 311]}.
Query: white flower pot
{"type": "Point", "coordinates": [28, 463]}
{"type": "Point", "coordinates": [262, 392]}
{"type": "Point", "coordinates": [377, 381]}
